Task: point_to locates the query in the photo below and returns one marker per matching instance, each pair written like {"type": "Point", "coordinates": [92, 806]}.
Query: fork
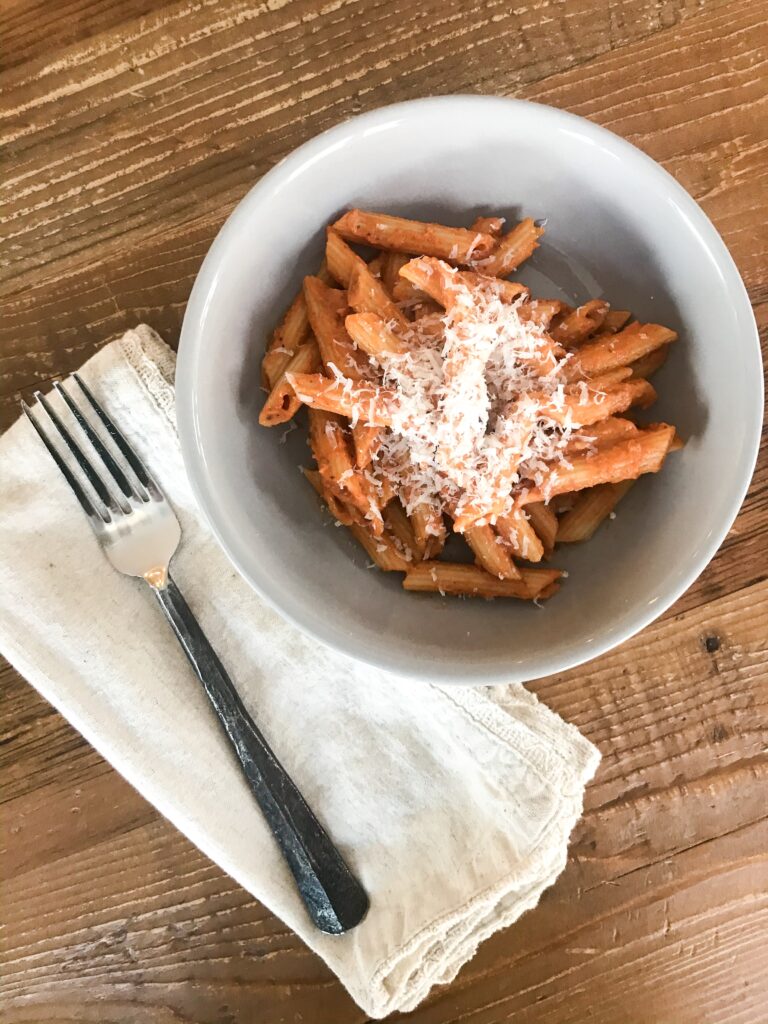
{"type": "Point", "coordinates": [139, 533]}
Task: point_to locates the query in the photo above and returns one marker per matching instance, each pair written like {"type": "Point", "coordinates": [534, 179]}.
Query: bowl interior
{"type": "Point", "coordinates": [617, 227]}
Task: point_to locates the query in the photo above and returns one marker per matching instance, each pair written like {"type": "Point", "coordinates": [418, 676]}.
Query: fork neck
{"type": "Point", "coordinates": [157, 578]}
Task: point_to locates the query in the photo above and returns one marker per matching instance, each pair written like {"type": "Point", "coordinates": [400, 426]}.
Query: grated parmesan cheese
{"type": "Point", "coordinates": [472, 419]}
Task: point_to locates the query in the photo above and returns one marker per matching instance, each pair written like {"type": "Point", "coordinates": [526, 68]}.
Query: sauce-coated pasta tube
{"type": "Point", "coordinates": [446, 285]}
{"type": "Point", "coordinates": [371, 334]}
{"type": "Point", "coordinates": [330, 446]}
{"type": "Point", "coordinates": [647, 365]}
{"type": "Point", "coordinates": [472, 581]}
{"type": "Point", "coordinates": [292, 331]}
{"type": "Point", "coordinates": [512, 249]}
{"type": "Point", "coordinates": [413, 236]}
{"type": "Point", "coordinates": [596, 404]}
{"type": "Point", "coordinates": [381, 549]}
{"type": "Point", "coordinates": [590, 509]}
{"type": "Point", "coordinates": [624, 460]}
{"type": "Point", "coordinates": [490, 553]}
{"type": "Point", "coordinates": [620, 349]}
{"type": "Point", "coordinates": [368, 295]}
{"type": "Point", "coordinates": [518, 532]}
{"type": "Point", "coordinates": [282, 404]}
{"type": "Point", "coordinates": [325, 307]}
{"type": "Point", "coordinates": [429, 530]}
{"type": "Point", "coordinates": [601, 434]}
{"type": "Point", "coordinates": [370, 403]}
{"type": "Point", "coordinates": [581, 323]}
{"type": "Point", "coordinates": [544, 521]}
{"type": "Point", "coordinates": [488, 226]}
{"type": "Point", "coordinates": [615, 319]}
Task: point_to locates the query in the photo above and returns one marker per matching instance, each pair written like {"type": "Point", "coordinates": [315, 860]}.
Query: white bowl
{"type": "Point", "coordinates": [617, 226]}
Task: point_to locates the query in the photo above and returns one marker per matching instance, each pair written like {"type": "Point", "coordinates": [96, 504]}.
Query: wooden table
{"type": "Point", "coordinates": [131, 129]}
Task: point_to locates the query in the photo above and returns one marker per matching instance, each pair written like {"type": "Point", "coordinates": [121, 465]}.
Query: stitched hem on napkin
{"type": "Point", "coordinates": [447, 943]}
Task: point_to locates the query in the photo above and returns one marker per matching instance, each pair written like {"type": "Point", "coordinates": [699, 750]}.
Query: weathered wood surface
{"type": "Point", "coordinates": [129, 131]}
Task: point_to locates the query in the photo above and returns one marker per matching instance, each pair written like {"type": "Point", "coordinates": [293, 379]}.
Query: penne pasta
{"type": "Point", "coordinates": [441, 394]}
{"type": "Point", "coordinates": [399, 526]}
{"type": "Point", "coordinates": [292, 331]}
{"type": "Point", "coordinates": [411, 299]}
{"type": "Point", "coordinates": [590, 509]}
{"type": "Point", "coordinates": [434, 278]}
{"type": "Point", "coordinates": [371, 334]}
{"type": "Point", "coordinates": [324, 307]}
{"type": "Point", "coordinates": [488, 226]}
{"type": "Point", "coordinates": [381, 549]}
{"type": "Point", "coordinates": [431, 325]}
{"type": "Point", "coordinates": [330, 447]}
{"type": "Point", "coordinates": [340, 512]}
{"type": "Point", "coordinates": [578, 325]}
{"type": "Point", "coordinates": [620, 349]}
{"type": "Point", "coordinates": [506, 291]}
{"type": "Point", "coordinates": [512, 249]}
{"type": "Point", "coordinates": [391, 262]}
{"type": "Point", "coordinates": [490, 553]}
{"type": "Point", "coordinates": [428, 530]}
{"type": "Point", "coordinates": [610, 378]}
{"type": "Point", "coordinates": [412, 236]}
{"type": "Point", "coordinates": [446, 285]}
{"type": "Point", "coordinates": [282, 404]}
{"type": "Point", "coordinates": [340, 259]}
{"type": "Point", "coordinates": [368, 295]}
{"type": "Point", "coordinates": [595, 404]}
{"type": "Point", "coordinates": [615, 319]}
{"type": "Point", "coordinates": [624, 460]}
{"type": "Point", "coordinates": [370, 403]}
{"type": "Point", "coordinates": [517, 531]}
{"type": "Point", "coordinates": [366, 441]}
{"type": "Point", "coordinates": [384, 486]}
{"type": "Point", "coordinates": [559, 504]}
{"type": "Point", "coordinates": [472, 581]}
{"type": "Point", "coordinates": [602, 434]}
{"type": "Point", "coordinates": [649, 364]}
{"type": "Point", "coordinates": [542, 311]}
{"type": "Point", "coordinates": [544, 521]}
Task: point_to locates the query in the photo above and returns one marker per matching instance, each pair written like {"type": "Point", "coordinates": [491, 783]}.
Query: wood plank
{"type": "Point", "coordinates": [29, 25]}
{"type": "Point", "coordinates": [674, 711]}
{"type": "Point", "coordinates": [37, 747]}
{"type": "Point", "coordinates": [695, 103]}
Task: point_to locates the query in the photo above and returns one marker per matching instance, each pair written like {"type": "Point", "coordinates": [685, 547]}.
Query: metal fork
{"type": "Point", "coordinates": [139, 533]}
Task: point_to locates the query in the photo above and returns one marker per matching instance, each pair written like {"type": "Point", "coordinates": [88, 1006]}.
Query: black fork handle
{"type": "Point", "coordinates": [334, 898]}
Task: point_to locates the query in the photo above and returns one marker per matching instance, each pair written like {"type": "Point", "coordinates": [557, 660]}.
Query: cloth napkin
{"type": "Point", "coordinates": [453, 807]}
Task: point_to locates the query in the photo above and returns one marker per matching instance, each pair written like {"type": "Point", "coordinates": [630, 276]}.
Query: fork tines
{"type": "Point", "coordinates": [106, 487]}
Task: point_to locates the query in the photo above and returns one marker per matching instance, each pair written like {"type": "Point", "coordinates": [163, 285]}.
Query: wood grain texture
{"type": "Point", "coordinates": [126, 142]}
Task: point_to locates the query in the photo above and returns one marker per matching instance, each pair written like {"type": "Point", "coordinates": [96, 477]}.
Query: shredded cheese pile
{"type": "Point", "coordinates": [471, 421]}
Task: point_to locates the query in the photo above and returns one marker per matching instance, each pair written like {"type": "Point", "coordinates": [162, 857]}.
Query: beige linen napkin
{"type": "Point", "coordinates": [454, 811]}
